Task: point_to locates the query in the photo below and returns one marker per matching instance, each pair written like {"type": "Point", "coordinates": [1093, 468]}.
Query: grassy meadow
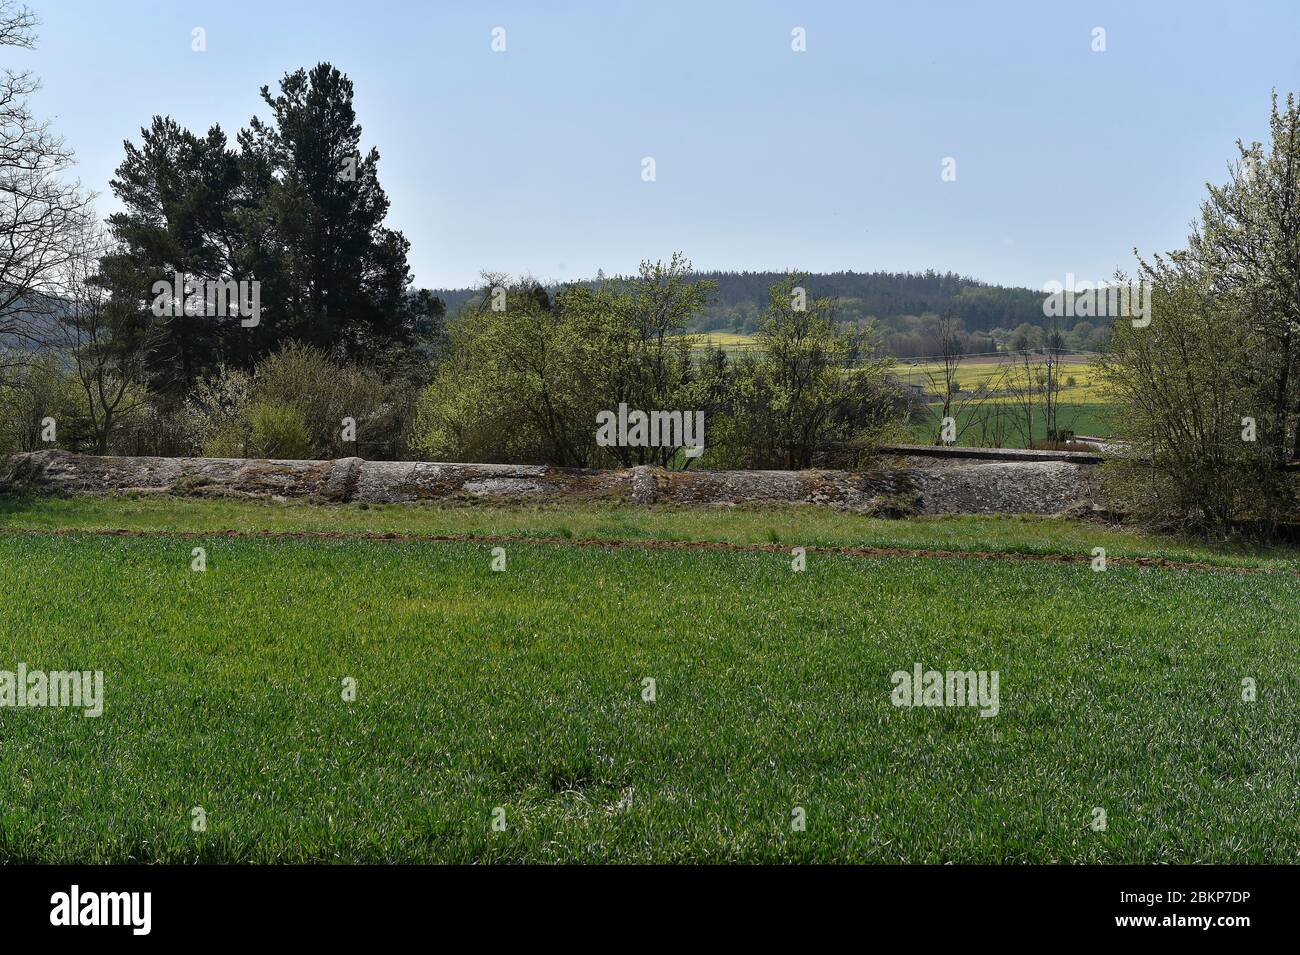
{"type": "Point", "coordinates": [1095, 420]}
{"type": "Point", "coordinates": [520, 695]}
{"type": "Point", "coordinates": [769, 524]}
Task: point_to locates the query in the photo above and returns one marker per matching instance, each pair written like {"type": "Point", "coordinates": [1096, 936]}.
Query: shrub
{"type": "Point", "coordinates": [278, 431]}
{"type": "Point", "coordinates": [818, 397]}
{"type": "Point", "coordinates": [525, 383]}
{"type": "Point", "coordinates": [325, 392]}
{"type": "Point", "coordinates": [214, 414]}
{"type": "Point", "coordinates": [41, 387]}
{"type": "Point", "coordinates": [294, 405]}
{"type": "Point", "coordinates": [1180, 397]}
{"type": "Point", "coordinates": [157, 431]}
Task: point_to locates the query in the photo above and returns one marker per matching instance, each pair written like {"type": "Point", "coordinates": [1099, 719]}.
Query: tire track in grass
{"type": "Point", "coordinates": [615, 543]}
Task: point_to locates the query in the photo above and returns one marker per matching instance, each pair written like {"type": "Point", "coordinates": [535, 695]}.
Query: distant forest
{"type": "Point", "coordinates": [906, 307]}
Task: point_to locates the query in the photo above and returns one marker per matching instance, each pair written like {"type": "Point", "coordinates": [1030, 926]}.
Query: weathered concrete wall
{"type": "Point", "coordinates": [898, 483]}
{"type": "Point", "coordinates": [992, 454]}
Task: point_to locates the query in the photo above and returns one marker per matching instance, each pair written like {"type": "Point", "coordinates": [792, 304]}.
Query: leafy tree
{"type": "Point", "coordinates": [1248, 243]}
{"type": "Point", "coordinates": [296, 206]}
{"type": "Point", "coordinates": [181, 194]}
{"type": "Point", "coordinates": [528, 372]}
{"type": "Point", "coordinates": [817, 396]}
{"type": "Point", "coordinates": [518, 384]}
{"type": "Point", "coordinates": [1209, 393]}
{"type": "Point", "coordinates": [645, 357]}
{"type": "Point", "coordinates": [337, 274]}
{"type": "Point", "coordinates": [1179, 401]}
{"type": "Point", "coordinates": [1025, 337]}
{"type": "Point", "coordinates": [35, 390]}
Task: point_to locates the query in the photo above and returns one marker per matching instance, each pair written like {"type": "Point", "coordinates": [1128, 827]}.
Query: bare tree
{"type": "Point", "coordinates": [40, 212]}
{"type": "Point", "coordinates": [964, 408]}
{"type": "Point", "coordinates": [993, 419]}
{"type": "Point", "coordinates": [1026, 378]}
{"type": "Point", "coordinates": [1050, 383]}
{"type": "Point", "coordinates": [101, 335]}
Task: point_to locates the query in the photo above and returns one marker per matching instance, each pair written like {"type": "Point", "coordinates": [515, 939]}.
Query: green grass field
{"type": "Point", "coordinates": [523, 691]}
{"type": "Point", "coordinates": [790, 526]}
{"type": "Point", "coordinates": [1090, 419]}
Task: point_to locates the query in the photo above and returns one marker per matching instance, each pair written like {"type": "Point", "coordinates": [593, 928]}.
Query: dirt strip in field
{"type": "Point", "coordinates": [1162, 563]}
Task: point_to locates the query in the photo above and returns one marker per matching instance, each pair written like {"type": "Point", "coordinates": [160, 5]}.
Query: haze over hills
{"type": "Point", "coordinates": [905, 306]}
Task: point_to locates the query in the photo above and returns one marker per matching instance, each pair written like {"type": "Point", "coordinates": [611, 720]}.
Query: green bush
{"type": "Point", "coordinates": [525, 382]}
{"type": "Point", "coordinates": [325, 392]}
{"type": "Point", "coordinates": [294, 405]}
{"type": "Point", "coordinates": [36, 388]}
{"type": "Point", "coordinates": [818, 396]}
{"type": "Point", "coordinates": [278, 431]}
{"type": "Point", "coordinates": [1206, 387]}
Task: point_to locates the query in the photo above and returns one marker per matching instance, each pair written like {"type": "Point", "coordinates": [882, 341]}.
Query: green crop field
{"type": "Point", "coordinates": [1095, 420]}
{"type": "Point", "coordinates": [521, 696]}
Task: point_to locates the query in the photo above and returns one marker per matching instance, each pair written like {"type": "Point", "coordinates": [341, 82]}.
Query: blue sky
{"type": "Point", "coordinates": [530, 160]}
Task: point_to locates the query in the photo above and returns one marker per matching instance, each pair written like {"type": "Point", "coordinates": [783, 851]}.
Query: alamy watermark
{"type": "Point", "coordinates": [1071, 299]}
{"type": "Point", "coordinates": [946, 688]}
{"type": "Point", "coordinates": [658, 429]}
{"type": "Point", "coordinates": [65, 688]}
{"type": "Point", "coordinates": [211, 298]}
{"type": "Point", "coordinates": [130, 909]}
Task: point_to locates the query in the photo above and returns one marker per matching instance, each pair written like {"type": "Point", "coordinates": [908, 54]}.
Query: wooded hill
{"type": "Point", "coordinates": [905, 306]}
{"type": "Point", "coordinates": [741, 297]}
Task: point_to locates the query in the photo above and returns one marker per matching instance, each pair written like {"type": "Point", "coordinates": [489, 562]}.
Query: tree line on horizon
{"type": "Point", "coordinates": [906, 308]}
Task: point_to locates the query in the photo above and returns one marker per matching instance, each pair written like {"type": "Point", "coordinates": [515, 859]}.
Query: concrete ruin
{"type": "Point", "coordinates": [901, 481]}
